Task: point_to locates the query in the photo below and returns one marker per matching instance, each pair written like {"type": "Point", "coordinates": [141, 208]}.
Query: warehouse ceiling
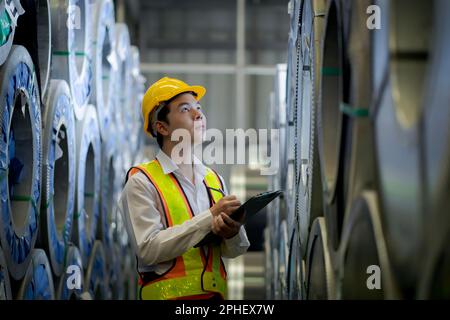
{"type": "Point", "coordinates": [206, 24]}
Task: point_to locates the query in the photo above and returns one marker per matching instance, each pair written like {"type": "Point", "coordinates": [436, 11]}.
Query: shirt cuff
{"type": "Point", "coordinates": [203, 220]}
{"type": "Point", "coordinates": [239, 240]}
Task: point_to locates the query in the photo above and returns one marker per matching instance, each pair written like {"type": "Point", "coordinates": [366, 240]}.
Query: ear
{"type": "Point", "coordinates": [161, 128]}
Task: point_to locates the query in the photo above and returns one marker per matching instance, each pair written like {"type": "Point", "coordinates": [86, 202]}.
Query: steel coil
{"type": "Point", "coordinates": [292, 63]}
{"type": "Point", "coordinates": [296, 272]}
{"type": "Point", "coordinates": [309, 194]}
{"type": "Point", "coordinates": [401, 55]}
{"type": "Point", "coordinates": [330, 120]}
{"type": "Point", "coordinates": [10, 11]}
{"type": "Point", "coordinates": [34, 33]}
{"type": "Point", "coordinates": [359, 166]}
{"type": "Point", "coordinates": [37, 284]}
{"type": "Point", "coordinates": [123, 83]}
{"type": "Point", "coordinates": [59, 172]}
{"type": "Point", "coordinates": [363, 253]}
{"type": "Point", "coordinates": [134, 109]}
{"type": "Point", "coordinates": [5, 286]}
{"type": "Point", "coordinates": [88, 183]}
{"type": "Point", "coordinates": [433, 282]}
{"type": "Point", "coordinates": [72, 50]}
{"type": "Point", "coordinates": [105, 65]}
{"type": "Point", "coordinates": [320, 279]}
{"type": "Point", "coordinates": [95, 282]}
{"type": "Point", "coordinates": [20, 160]}
{"type": "Point", "coordinates": [109, 191]}
{"type": "Point", "coordinates": [68, 287]}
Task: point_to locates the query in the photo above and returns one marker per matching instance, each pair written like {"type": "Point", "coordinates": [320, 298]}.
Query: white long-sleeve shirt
{"type": "Point", "coordinates": [154, 243]}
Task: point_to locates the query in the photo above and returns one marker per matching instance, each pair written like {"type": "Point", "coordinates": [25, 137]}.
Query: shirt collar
{"type": "Point", "coordinates": [169, 166]}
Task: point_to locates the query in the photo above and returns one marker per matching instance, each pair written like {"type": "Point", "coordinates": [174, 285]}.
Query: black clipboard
{"type": "Point", "coordinates": [251, 207]}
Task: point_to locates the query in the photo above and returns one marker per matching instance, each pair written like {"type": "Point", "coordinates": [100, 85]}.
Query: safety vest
{"type": "Point", "coordinates": [196, 272]}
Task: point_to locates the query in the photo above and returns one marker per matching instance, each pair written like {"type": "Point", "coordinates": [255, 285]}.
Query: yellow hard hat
{"type": "Point", "coordinates": [162, 90]}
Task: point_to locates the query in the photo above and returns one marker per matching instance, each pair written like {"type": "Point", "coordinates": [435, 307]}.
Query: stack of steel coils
{"type": "Point", "coordinates": [61, 168]}
{"type": "Point", "coordinates": [371, 111]}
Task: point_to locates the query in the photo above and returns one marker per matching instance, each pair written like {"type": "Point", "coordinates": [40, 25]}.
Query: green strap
{"type": "Point", "coordinates": [66, 53]}
{"type": "Point", "coordinates": [25, 199]}
{"type": "Point", "coordinates": [5, 27]}
{"type": "Point", "coordinates": [354, 112]}
{"type": "Point", "coordinates": [331, 72]}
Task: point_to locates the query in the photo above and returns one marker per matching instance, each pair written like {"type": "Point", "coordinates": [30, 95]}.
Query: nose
{"type": "Point", "coordinates": [198, 115]}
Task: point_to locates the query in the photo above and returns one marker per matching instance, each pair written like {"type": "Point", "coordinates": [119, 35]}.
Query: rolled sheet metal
{"type": "Point", "coordinates": [20, 160]}
{"type": "Point", "coordinates": [296, 272]}
{"type": "Point", "coordinates": [401, 58]}
{"type": "Point", "coordinates": [320, 279]}
{"type": "Point", "coordinates": [330, 120]}
{"type": "Point", "coordinates": [105, 65]}
{"type": "Point", "coordinates": [59, 173]}
{"type": "Point", "coordinates": [436, 153]}
{"type": "Point", "coordinates": [364, 266]}
{"type": "Point", "coordinates": [72, 49]}
{"type": "Point", "coordinates": [124, 80]}
{"type": "Point", "coordinates": [96, 277]}
{"type": "Point", "coordinates": [70, 285]}
{"type": "Point", "coordinates": [10, 10]}
{"type": "Point", "coordinates": [88, 183]}
{"type": "Point", "coordinates": [37, 284]}
{"type": "Point", "coordinates": [309, 187]}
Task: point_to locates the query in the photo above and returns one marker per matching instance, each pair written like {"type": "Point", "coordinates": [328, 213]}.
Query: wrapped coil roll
{"type": "Point", "coordinates": [10, 10]}
{"type": "Point", "coordinates": [401, 58]}
{"type": "Point", "coordinates": [34, 33]}
{"type": "Point", "coordinates": [436, 152]}
{"type": "Point", "coordinates": [123, 83]}
{"type": "Point", "coordinates": [296, 271]}
{"type": "Point", "coordinates": [37, 283]}
{"type": "Point", "coordinates": [88, 183]}
{"type": "Point", "coordinates": [309, 186]}
{"type": "Point", "coordinates": [362, 251]}
{"type": "Point", "coordinates": [330, 120]}
{"type": "Point", "coordinates": [59, 173]}
{"type": "Point", "coordinates": [70, 286]}
{"type": "Point", "coordinates": [96, 277]}
{"type": "Point", "coordinates": [105, 65]}
{"type": "Point", "coordinates": [20, 160]}
{"type": "Point", "coordinates": [72, 49]}
{"type": "Point", "coordinates": [320, 278]}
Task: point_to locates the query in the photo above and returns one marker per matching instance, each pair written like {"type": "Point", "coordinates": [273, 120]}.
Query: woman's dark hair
{"type": "Point", "coordinates": [162, 116]}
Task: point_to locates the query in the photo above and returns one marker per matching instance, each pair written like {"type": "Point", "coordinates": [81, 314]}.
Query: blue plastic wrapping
{"type": "Point", "coordinates": [17, 247]}
{"type": "Point", "coordinates": [38, 281]}
{"type": "Point", "coordinates": [96, 273]}
{"type": "Point", "coordinates": [62, 115]}
{"type": "Point", "coordinates": [88, 135]}
{"type": "Point", "coordinates": [73, 259]}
